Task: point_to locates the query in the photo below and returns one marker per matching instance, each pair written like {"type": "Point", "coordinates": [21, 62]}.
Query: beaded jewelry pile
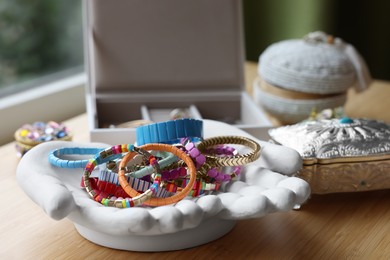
{"type": "Point", "coordinates": [30, 135]}
{"type": "Point", "coordinates": [170, 161]}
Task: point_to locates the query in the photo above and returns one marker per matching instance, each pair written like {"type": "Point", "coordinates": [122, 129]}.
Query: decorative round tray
{"type": "Point", "coordinates": [265, 187]}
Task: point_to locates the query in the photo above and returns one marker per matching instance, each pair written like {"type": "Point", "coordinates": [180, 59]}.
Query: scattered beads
{"type": "Point", "coordinates": [33, 134]}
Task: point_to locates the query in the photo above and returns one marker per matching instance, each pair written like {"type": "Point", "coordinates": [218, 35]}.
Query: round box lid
{"type": "Point", "coordinates": [316, 64]}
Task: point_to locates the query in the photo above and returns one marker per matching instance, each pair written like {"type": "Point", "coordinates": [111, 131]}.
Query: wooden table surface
{"type": "Point", "coordinates": [336, 226]}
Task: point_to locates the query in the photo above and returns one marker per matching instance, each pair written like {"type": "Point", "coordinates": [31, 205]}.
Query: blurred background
{"type": "Point", "coordinates": [41, 40]}
{"type": "Point", "coordinates": [364, 24]}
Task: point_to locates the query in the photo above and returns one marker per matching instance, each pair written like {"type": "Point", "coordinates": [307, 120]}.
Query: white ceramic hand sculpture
{"type": "Point", "coordinates": [266, 186]}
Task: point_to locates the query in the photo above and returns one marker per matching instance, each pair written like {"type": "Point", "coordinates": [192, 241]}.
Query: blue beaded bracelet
{"type": "Point", "coordinates": [170, 132]}
{"type": "Point", "coordinates": [54, 156]}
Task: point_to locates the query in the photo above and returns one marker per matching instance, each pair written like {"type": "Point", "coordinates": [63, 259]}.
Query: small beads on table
{"type": "Point", "coordinates": [30, 135]}
{"type": "Point", "coordinates": [43, 132]}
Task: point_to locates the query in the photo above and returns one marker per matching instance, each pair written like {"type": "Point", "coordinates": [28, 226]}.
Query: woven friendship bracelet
{"type": "Point", "coordinates": [235, 160]}
{"type": "Point", "coordinates": [54, 156]}
{"type": "Point", "coordinates": [159, 201]}
{"type": "Point", "coordinates": [170, 132]}
{"type": "Point", "coordinates": [105, 198]}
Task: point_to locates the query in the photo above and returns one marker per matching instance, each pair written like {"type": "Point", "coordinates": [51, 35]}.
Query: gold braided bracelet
{"type": "Point", "coordinates": [235, 160]}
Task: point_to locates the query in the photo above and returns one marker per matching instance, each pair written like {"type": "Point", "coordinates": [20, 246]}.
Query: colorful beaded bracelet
{"type": "Point", "coordinates": [170, 132]}
{"type": "Point", "coordinates": [175, 170]}
{"type": "Point", "coordinates": [107, 154]}
{"type": "Point", "coordinates": [190, 148]}
{"type": "Point", "coordinates": [199, 187]}
{"type": "Point", "coordinates": [108, 182]}
{"type": "Point", "coordinates": [204, 170]}
{"type": "Point", "coordinates": [235, 160]}
{"type": "Point", "coordinates": [223, 150]}
{"type": "Point", "coordinates": [54, 156]}
{"type": "Point", "coordinates": [200, 160]}
{"type": "Point", "coordinates": [160, 201]}
{"type": "Point", "coordinates": [114, 191]}
{"type": "Point", "coordinates": [148, 170]}
{"type": "Point", "coordinates": [173, 174]}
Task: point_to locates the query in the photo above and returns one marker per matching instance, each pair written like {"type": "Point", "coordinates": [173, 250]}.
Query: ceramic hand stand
{"type": "Point", "coordinates": [266, 186]}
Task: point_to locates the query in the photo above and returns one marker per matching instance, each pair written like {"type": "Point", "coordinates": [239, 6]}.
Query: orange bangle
{"type": "Point", "coordinates": [154, 201]}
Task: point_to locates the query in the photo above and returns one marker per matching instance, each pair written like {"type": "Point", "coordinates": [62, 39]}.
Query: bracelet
{"type": "Point", "coordinates": [227, 151]}
{"type": "Point", "coordinates": [204, 170]}
{"type": "Point", "coordinates": [159, 201]}
{"type": "Point", "coordinates": [198, 158]}
{"type": "Point", "coordinates": [220, 177]}
{"type": "Point", "coordinates": [199, 187]}
{"type": "Point", "coordinates": [54, 156]}
{"type": "Point", "coordinates": [148, 170]}
{"type": "Point", "coordinates": [235, 160]}
{"type": "Point", "coordinates": [173, 174]}
{"type": "Point", "coordinates": [170, 132]}
{"type": "Point", "coordinates": [108, 182]}
{"type": "Point", "coordinates": [222, 150]}
{"type": "Point", "coordinates": [103, 197]}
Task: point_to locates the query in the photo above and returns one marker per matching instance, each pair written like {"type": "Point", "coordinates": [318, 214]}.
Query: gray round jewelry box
{"type": "Point", "coordinates": [298, 75]}
{"type": "Point", "coordinates": [304, 66]}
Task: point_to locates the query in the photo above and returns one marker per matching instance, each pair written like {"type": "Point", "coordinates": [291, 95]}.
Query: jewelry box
{"type": "Point", "coordinates": [146, 58]}
{"type": "Point", "coordinates": [340, 155]}
{"type": "Point", "coordinates": [297, 76]}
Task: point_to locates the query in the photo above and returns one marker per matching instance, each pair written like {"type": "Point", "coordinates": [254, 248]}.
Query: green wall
{"type": "Point", "coordinates": [364, 24]}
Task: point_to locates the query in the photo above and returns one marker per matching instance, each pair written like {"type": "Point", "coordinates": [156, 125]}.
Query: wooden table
{"type": "Point", "coordinates": [336, 226]}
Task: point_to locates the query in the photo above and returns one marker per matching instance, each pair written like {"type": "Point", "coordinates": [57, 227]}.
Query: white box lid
{"type": "Point", "coordinates": [148, 46]}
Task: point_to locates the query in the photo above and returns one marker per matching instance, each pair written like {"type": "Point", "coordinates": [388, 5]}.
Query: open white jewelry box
{"type": "Point", "coordinates": [145, 58]}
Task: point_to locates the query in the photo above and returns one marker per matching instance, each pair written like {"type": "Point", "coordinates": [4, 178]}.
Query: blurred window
{"type": "Point", "coordinates": [40, 41]}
